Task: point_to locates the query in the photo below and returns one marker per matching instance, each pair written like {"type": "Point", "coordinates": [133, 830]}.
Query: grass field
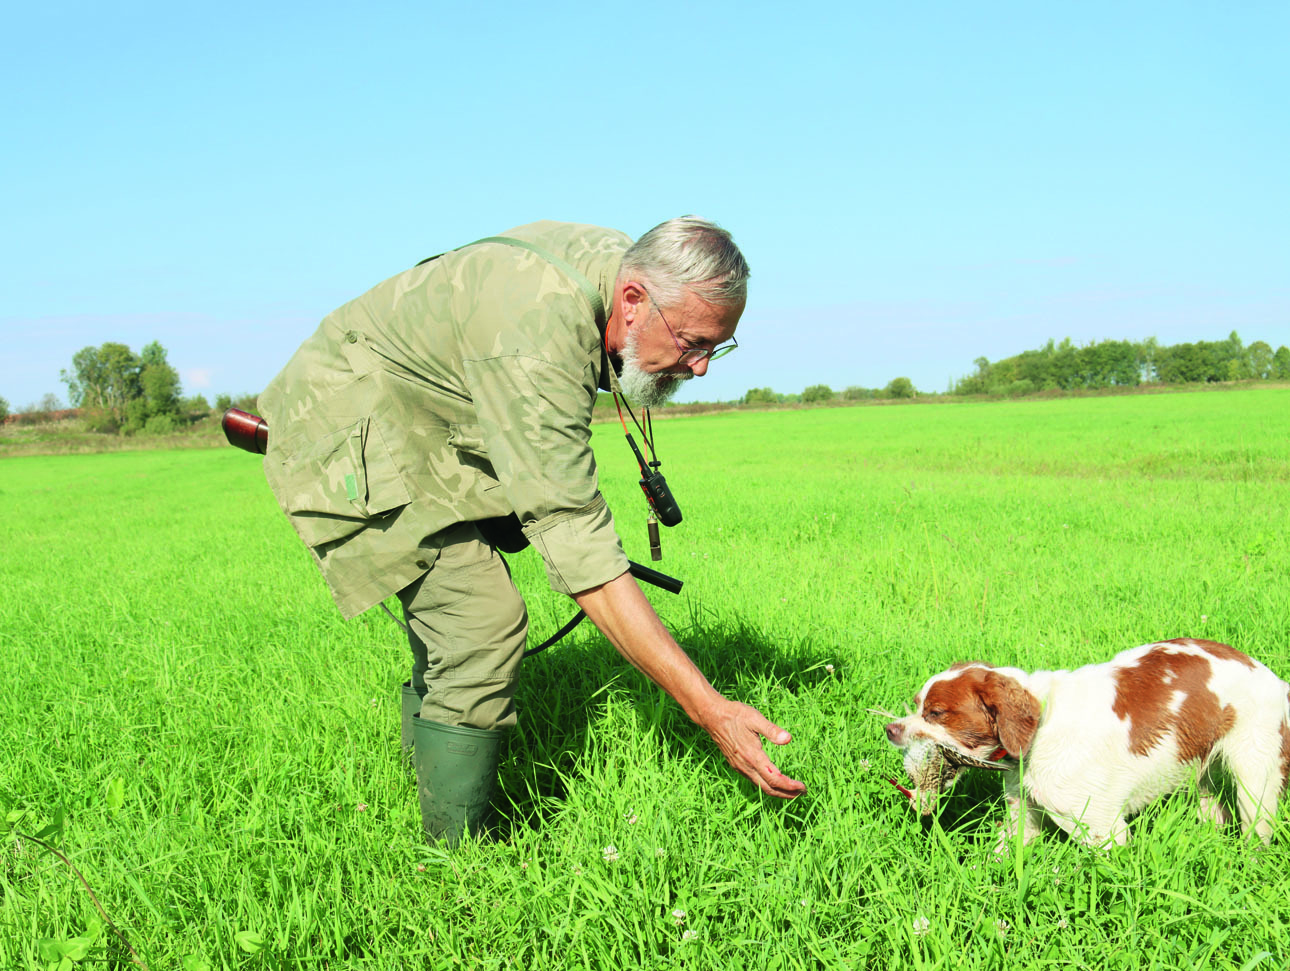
{"type": "Point", "coordinates": [193, 725]}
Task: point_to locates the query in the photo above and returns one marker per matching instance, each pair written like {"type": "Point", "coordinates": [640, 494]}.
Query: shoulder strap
{"type": "Point", "coordinates": [588, 291]}
{"type": "Point", "coordinates": [583, 284]}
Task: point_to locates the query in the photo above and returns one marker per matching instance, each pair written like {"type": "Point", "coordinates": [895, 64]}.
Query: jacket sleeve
{"type": "Point", "coordinates": [533, 393]}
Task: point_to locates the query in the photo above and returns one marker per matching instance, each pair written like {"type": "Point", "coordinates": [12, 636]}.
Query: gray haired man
{"type": "Point", "coordinates": [459, 394]}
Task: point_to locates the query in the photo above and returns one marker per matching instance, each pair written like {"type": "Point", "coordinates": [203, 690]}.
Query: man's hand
{"type": "Point", "coordinates": [738, 730]}
{"type": "Point", "coordinates": [623, 614]}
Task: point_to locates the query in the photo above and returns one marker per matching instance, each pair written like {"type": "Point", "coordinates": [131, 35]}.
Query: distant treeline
{"type": "Point", "coordinates": [113, 389]}
{"type": "Point", "coordinates": [820, 393]}
{"type": "Point", "coordinates": [116, 391]}
{"type": "Point", "coordinates": [1109, 364]}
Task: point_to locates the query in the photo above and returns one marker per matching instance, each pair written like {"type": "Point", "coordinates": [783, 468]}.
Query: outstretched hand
{"type": "Point", "coordinates": [738, 730]}
{"type": "Point", "coordinates": [623, 614]}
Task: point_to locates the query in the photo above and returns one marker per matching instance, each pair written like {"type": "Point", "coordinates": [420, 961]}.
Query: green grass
{"type": "Point", "coordinates": [161, 626]}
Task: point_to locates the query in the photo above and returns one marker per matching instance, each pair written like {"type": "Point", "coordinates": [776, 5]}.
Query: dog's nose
{"type": "Point", "coordinates": [895, 733]}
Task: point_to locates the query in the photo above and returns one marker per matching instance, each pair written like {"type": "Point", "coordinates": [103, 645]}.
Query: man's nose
{"type": "Point", "coordinates": [699, 368]}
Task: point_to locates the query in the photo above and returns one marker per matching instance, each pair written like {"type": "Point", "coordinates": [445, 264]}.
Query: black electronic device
{"type": "Point", "coordinates": [656, 490]}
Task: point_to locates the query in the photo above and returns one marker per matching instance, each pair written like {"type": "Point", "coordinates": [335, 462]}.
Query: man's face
{"type": "Point", "coordinates": [652, 371]}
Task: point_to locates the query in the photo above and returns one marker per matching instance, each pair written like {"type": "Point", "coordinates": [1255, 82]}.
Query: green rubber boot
{"type": "Point", "coordinates": [411, 705]}
{"type": "Point", "coordinates": [456, 771]}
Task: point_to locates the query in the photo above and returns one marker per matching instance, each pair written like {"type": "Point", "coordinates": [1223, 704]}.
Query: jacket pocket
{"type": "Point", "coordinates": [339, 481]}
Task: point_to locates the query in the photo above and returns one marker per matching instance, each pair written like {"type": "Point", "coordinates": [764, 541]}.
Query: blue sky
{"type": "Point", "coordinates": [914, 185]}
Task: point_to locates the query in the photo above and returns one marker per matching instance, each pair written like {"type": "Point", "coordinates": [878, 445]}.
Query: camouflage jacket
{"type": "Point", "coordinates": [458, 390]}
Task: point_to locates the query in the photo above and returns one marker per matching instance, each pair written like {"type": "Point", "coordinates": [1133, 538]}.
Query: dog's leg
{"type": "Point", "coordinates": [1096, 831]}
{"type": "Point", "coordinates": [1097, 819]}
{"type": "Point", "coordinates": [1019, 813]}
{"type": "Point", "coordinates": [1212, 809]}
{"type": "Point", "coordinates": [1258, 780]}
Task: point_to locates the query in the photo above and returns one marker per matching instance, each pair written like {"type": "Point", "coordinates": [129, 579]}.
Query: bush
{"type": "Point", "coordinates": [162, 425]}
{"type": "Point", "coordinates": [100, 420]}
{"type": "Point", "coordinates": [195, 407]}
{"type": "Point", "coordinates": [4, 410]}
{"type": "Point", "coordinates": [816, 393]}
{"type": "Point", "coordinates": [760, 396]}
{"type": "Point", "coordinates": [136, 416]}
{"type": "Point", "coordinates": [899, 388]}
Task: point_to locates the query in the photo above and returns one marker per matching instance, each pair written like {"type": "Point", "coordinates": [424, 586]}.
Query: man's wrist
{"type": "Point", "coordinates": [704, 709]}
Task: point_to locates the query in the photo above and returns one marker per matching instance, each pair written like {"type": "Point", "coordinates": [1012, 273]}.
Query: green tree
{"type": "Point", "coordinates": [195, 405]}
{"type": "Point", "coordinates": [1281, 363]}
{"type": "Point", "coordinates": [1148, 350]}
{"type": "Point", "coordinates": [760, 396]}
{"type": "Point", "coordinates": [978, 383]}
{"type": "Point", "coordinates": [817, 393]}
{"type": "Point", "coordinates": [899, 388]}
{"type": "Point", "coordinates": [118, 389]}
{"type": "Point", "coordinates": [103, 380]}
{"type": "Point", "coordinates": [159, 383]}
{"type": "Point", "coordinates": [1203, 361]}
{"type": "Point", "coordinates": [1258, 360]}
{"type": "Point", "coordinates": [4, 410]}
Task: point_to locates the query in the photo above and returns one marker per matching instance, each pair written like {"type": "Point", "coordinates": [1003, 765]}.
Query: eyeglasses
{"type": "Point", "coordinates": [690, 356]}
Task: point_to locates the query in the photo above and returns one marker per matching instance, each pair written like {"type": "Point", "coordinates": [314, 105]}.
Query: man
{"type": "Point", "coordinates": [423, 415]}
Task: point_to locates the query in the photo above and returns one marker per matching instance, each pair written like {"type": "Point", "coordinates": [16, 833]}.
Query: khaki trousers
{"type": "Point", "coordinates": [467, 626]}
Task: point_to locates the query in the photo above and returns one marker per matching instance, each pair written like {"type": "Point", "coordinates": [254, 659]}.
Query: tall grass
{"type": "Point", "coordinates": [227, 749]}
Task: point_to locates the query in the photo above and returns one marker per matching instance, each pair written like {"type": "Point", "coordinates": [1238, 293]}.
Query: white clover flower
{"type": "Point", "coordinates": [659, 851]}
{"type": "Point", "coordinates": [610, 853]}
{"type": "Point", "coordinates": [632, 818]}
{"type": "Point", "coordinates": [1002, 927]}
{"type": "Point", "coordinates": [689, 935]}
{"type": "Point", "coordinates": [1062, 925]}
{"type": "Point", "coordinates": [1204, 617]}
{"type": "Point", "coordinates": [829, 668]}
{"type": "Point", "coordinates": [361, 807]}
{"type": "Point", "coordinates": [864, 764]}
{"type": "Point", "coordinates": [678, 917]}
{"type": "Point", "coordinates": [921, 925]}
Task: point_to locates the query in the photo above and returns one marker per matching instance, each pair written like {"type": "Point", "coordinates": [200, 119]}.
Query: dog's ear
{"type": "Point", "coordinates": [1014, 709]}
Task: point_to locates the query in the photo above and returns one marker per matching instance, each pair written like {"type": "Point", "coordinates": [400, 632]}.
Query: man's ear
{"type": "Point", "coordinates": [633, 300]}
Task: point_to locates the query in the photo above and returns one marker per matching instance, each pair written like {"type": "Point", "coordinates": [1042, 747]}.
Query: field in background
{"type": "Point", "coordinates": [226, 747]}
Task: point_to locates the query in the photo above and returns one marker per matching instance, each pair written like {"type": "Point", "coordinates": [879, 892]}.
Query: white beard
{"type": "Point", "coordinates": [646, 389]}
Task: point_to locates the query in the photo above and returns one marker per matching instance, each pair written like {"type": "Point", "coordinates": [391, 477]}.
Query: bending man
{"type": "Point", "coordinates": [453, 401]}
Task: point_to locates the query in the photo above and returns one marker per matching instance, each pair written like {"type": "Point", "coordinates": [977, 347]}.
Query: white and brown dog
{"type": "Point", "coordinates": [1099, 743]}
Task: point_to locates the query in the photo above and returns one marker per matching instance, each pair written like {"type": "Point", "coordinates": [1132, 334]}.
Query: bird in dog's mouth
{"type": "Point", "coordinates": [934, 768]}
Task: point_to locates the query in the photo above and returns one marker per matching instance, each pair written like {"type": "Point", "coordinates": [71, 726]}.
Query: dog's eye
{"type": "Point", "coordinates": [934, 713]}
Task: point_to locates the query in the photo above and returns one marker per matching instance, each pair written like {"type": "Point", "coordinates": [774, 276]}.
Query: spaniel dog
{"type": "Point", "coordinates": [1090, 747]}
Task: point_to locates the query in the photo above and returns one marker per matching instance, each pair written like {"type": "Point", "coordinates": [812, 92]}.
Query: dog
{"type": "Point", "coordinates": [1090, 747]}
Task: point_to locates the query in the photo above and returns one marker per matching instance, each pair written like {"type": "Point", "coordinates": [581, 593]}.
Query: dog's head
{"type": "Point", "coordinates": [980, 712]}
